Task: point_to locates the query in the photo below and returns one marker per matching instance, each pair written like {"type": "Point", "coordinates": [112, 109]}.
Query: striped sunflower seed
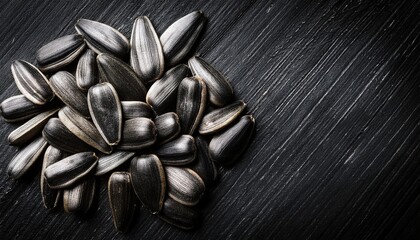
{"type": "Point", "coordinates": [162, 94]}
{"type": "Point", "coordinates": [122, 200]}
{"type": "Point", "coordinates": [87, 71]}
{"type": "Point", "coordinates": [64, 86]}
{"type": "Point", "coordinates": [135, 109]}
{"type": "Point", "coordinates": [149, 181]}
{"type": "Point", "coordinates": [50, 197]}
{"type": "Point", "coordinates": [26, 158]}
{"type": "Point", "coordinates": [184, 185]}
{"type": "Point", "coordinates": [57, 135]}
{"type": "Point", "coordinates": [19, 108]}
{"type": "Point", "coordinates": [65, 173]}
{"type": "Point", "coordinates": [180, 36]}
{"type": "Point", "coordinates": [228, 145]}
{"type": "Point", "coordinates": [220, 90]}
{"type": "Point", "coordinates": [191, 102]}
{"type": "Point", "coordinates": [146, 55]}
{"type": "Point", "coordinates": [218, 119]}
{"type": "Point", "coordinates": [115, 71]}
{"type": "Point", "coordinates": [84, 129]}
{"type": "Point", "coordinates": [31, 128]}
{"type": "Point", "coordinates": [108, 163]}
{"type": "Point", "coordinates": [105, 109]}
{"type": "Point", "coordinates": [79, 198]}
{"type": "Point", "coordinates": [179, 215]}
{"type": "Point", "coordinates": [138, 133]}
{"type": "Point", "coordinates": [31, 82]}
{"type": "Point", "coordinates": [177, 152]}
{"type": "Point", "coordinates": [203, 165]}
{"type": "Point", "coordinates": [167, 126]}
{"type": "Point", "coordinates": [60, 52]}
{"type": "Point", "coordinates": [103, 38]}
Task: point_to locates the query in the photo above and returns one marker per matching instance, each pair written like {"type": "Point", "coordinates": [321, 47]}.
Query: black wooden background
{"type": "Point", "coordinates": [334, 88]}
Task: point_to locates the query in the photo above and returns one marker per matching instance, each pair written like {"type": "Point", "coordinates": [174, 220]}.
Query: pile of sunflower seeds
{"type": "Point", "coordinates": [145, 128]}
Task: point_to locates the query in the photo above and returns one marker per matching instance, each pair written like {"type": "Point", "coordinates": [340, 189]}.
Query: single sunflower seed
{"type": "Point", "coordinates": [220, 90]}
{"type": "Point", "coordinates": [167, 126]}
{"type": "Point", "coordinates": [162, 94]}
{"type": "Point", "coordinates": [68, 171]}
{"type": "Point", "coordinates": [31, 82]}
{"type": "Point", "coordinates": [19, 108]}
{"type": "Point", "coordinates": [103, 38]}
{"type": "Point", "coordinates": [50, 197]}
{"type": "Point", "coordinates": [115, 71]}
{"type": "Point", "coordinates": [108, 163]}
{"type": "Point", "coordinates": [79, 198]}
{"type": "Point", "coordinates": [191, 103]}
{"type": "Point", "coordinates": [105, 109]}
{"type": "Point", "coordinates": [138, 133]}
{"type": "Point", "coordinates": [228, 145]}
{"type": "Point", "coordinates": [180, 36]}
{"type": "Point", "coordinates": [87, 73]}
{"type": "Point", "coordinates": [203, 165]}
{"type": "Point", "coordinates": [84, 129]}
{"type": "Point", "coordinates": [31, 128]}
{"type": "Point", "coordinates": [64, 86]}
{"type": "Point", "coordinates": [26, 157]}
{"type": "Point", "coordinates": [179, 215]}
{"type": "Point", "coordinates": [149, 181]}
{"type": "Point", "coordinates": [184, 185]}
{"type": "Point", "coordinates": [57, 135]}
{"type": "Point", "coordinates": [135, 109]}
{"type": "Point", "coordinates": [146, 55]}
{"type": "Point", "coordinates": [60, 52]}
{"type": "Point", "coordinates": [179, 151]}
{"type": "Point", "coordinates": [122, 200]}
{"type": "Point", "coordinates": [218, 119]}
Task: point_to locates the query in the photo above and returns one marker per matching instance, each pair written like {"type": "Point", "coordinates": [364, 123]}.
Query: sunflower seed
{"type": "Point", "coordinates": [105, 109]}
{"type": "Point", "coordinates": [138, 133]}
{"type": "Point", "coordinates": [162, 94]}
{"type": "Point", "coordinates": [180, 151]}
{"type": "Point", "coordinates": [128, 85]}
{"type": "Point", "coordinates": [167, 126]}
{"type": "Point", "coordinates": [19, 108]}
{"type": "Point", "coordinates": [227, 146]}
{"type": "Point", "coordinates": [83, 129]}
{"type": "Point", "coordinates": [50, 197]}
{"type": "Point", "coordinates": [146, 56]}
{"type": "Point", "coordinates": [191, 102]}
{"type": "Point", "coordinates": [87, 71]}
{"type": "Point", "coordinates": [149, 181]}
{"type": "Point", "coordinates": [60, 137]}
{"type": "Point", "coordinates": [184, 185]}
{"type": "Point", "coordinates": [122, 200]}
{"type": "Point", "coordinates": [103, 38]}
{"type": "Point", "coordinates": [179, 215]}
{"type": "Point", "coordinates": [218, 119]}
{"type": "Point", "coordinates": [60, 52]}
{"type": "Point", "coordinates": [25, 158]}
{"type": "Point", "coordinates": [204, 166]}
{"type": "Point", "coordinates": [110, 162]}
{"type": "Point", "coordinates": [69, 170]}
{"type": "Point", "coordinates": [135, 109]}
{"type": "Point", "coordinates": [179, 38]}
{"type": "Point", "coordinates": [220, 90]}
{"type": "Point", "coordinates": [31, 82]}
{"type": "Point", "coordinates": [31, 128]}
{"type": "Point", "coordinates": [64, 86]}
{"type": "Point", "coordinates": [80, 197]}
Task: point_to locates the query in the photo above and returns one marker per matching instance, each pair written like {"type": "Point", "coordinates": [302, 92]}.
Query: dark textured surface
{"type": "Point", "coordinates": [334, 88]}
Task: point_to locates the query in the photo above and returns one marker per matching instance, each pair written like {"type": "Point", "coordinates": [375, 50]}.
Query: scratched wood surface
{"type": "Point", "coordinates": [333, 85]}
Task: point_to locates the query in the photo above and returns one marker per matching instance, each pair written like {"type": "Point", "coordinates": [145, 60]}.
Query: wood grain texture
{"type": "Point", "coordinates": [333, 85]}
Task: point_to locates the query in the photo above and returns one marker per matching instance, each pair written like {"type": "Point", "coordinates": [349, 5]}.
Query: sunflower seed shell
{"type": "Point", "coordinates": [138, 133]}
{"type": "Point", "coordinates": [87, 71]}
{"type": "Point", "coordinates": [179, 215]}
{"type": "Point", "coordinates": [218, 119]}
{"type": "Point", "coordinates": [167, 126]}
{"type": "Point", "coordinates": [135, 109]}
{"type": "Point", "coordinates": [203, 165]}
{"type": "Point", "coordinates": [184, 185]}
{"type": "Point", "coordinates": [108, 163]}
{"type": "Point", "coordinates": [179, 151]}
{"type": "Point", "coordinates": [79, 198]}
{"type": "Point", "coordinates": [19, 108]}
